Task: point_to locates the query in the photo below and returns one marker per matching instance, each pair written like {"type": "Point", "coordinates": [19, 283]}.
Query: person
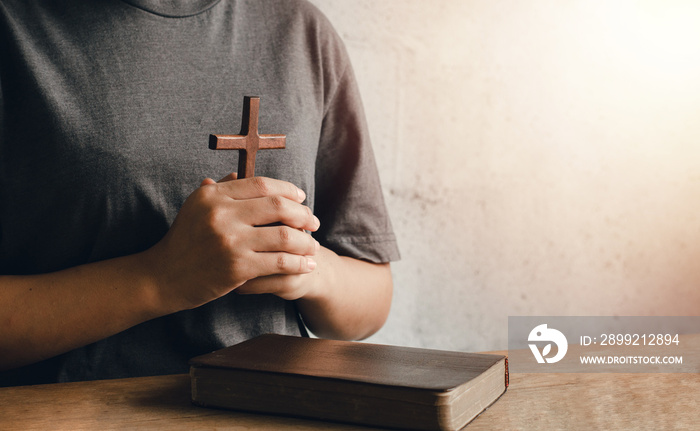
{"type": "Point", "coordinates": [119, 254]}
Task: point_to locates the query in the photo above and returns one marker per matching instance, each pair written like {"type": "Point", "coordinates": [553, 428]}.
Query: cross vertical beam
{"type": "Point", "coordinates": [248, 141]}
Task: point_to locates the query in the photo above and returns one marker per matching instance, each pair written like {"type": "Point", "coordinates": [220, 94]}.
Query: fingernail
{"type": "Point", "coordinates": [310, 263]}
{"type": "Point", "coordinates": [317, 247]}
{"type": "Point", "coordinates": [317, 221]}
{"type": "Point", "coordinates": [301, 194]}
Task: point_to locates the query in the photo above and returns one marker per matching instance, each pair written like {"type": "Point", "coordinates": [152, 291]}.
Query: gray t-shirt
{"type": "Point", "coordinates": [105, 112]}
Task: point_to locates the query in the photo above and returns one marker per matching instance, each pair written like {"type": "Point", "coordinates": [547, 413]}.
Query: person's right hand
{"type": "Point", "coordinates": [222, 238]}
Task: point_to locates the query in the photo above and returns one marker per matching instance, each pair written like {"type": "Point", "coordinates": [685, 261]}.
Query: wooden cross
{"type": "Point", "coordinates": [249, 141]}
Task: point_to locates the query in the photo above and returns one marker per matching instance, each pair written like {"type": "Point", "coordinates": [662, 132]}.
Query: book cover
{"type": "Point", "coordinates": [371, 384]}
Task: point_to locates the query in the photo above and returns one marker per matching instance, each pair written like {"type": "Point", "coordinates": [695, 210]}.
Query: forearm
{"type": "Point", "coordinates": [219, 240]}
{"type": "Point", "coordinates": [45, 315]}
{"type": "Point", "coordinates": [352, 298]}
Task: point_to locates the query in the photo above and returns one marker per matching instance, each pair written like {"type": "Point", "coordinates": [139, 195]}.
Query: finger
{"type": "Point", "coordinates": [206, 182]}
{"type": "Point", "coordinates": [265, 284]}
{"type": "Point", "coordinates": [289, 287]}
{"type": "Point", "coordinates": [284, 264]}
{"type": "Point", "coordinates": [277, 209]}
{"type": "Point", "coordinates": [257, 187]}
{"type": "Point", "coordinates": [285, 239]}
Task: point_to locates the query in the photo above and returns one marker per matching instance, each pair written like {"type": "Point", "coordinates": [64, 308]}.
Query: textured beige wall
{"type": "Point", "coordinates": [538, 158]}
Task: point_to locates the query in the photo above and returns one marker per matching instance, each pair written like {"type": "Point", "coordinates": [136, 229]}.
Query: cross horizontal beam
{"type": "Point", "coordinates": [248, 141]}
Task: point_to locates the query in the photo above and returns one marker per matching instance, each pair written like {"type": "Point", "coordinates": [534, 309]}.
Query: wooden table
{"type": "Point", "coordinates": [533, 402]}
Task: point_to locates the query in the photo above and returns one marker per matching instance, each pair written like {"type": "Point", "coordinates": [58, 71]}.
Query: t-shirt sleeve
{"type": "Point", "coordinates": [349, 200]}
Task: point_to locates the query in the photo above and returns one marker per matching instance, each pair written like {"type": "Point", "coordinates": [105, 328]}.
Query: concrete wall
{"type": "Point", "coordinates": [538, 158]}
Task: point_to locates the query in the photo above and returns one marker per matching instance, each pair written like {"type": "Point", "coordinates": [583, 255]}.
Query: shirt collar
{"type": "Point", "coordinates": [173, 8]}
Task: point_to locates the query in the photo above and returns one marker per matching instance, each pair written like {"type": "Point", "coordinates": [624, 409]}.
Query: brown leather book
{"type": "Point", "coordinates": [370, 384]}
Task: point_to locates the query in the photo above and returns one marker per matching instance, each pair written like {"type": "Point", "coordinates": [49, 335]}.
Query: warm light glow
{"type": "Point", "coordinates": [658, 36]}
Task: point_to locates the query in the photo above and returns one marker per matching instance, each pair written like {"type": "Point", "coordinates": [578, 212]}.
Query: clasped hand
{"type": "Point", "coordinates": [230, 232]}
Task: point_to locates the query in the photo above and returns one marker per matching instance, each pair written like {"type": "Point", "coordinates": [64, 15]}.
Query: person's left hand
{"type": "Point", "coordinates": [289, 287]}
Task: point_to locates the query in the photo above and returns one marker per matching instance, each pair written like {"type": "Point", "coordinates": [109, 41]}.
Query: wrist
{"type": "Point", "coordinates": [323, 278]}
{"type": "Point", "coordinates": [147, 270]}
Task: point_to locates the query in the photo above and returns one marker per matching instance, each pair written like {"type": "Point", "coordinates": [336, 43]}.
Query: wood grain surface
{"type": "Point", "coordinates": [533, 402]}
{"type": "Point", "coordinates": [249, 140]}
